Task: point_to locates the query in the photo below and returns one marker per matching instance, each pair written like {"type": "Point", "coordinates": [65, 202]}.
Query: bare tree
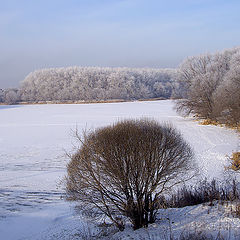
{"type": "Point", "coordinates": [210, 86]}
{"type": "Point", "coordinates": [200, 80]}
{"type": "Point", "coordinates": [122, 169]}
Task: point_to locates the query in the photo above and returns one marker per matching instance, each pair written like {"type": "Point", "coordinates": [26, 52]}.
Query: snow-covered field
{"type": "Point", "coordinates": [34, 140]}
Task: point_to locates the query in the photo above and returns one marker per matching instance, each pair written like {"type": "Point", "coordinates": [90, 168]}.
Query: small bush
{"type": "Point", "coordinates": [209, 122]}
{"type": "Point", "coordinates": [236, 211]}
{"type": "Point", "coordinates": [235, 161]}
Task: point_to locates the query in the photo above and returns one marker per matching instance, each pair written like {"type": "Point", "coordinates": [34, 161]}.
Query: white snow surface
{"type": "Point", "coordinates": [34, 140]}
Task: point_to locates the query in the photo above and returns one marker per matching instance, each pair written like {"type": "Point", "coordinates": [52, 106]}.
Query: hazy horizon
{"type": "Point", "coordinates": [111, 33]}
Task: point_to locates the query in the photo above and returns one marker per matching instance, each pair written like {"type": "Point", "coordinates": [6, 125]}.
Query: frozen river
{"type": "Point", "coordinates": [34, 140]}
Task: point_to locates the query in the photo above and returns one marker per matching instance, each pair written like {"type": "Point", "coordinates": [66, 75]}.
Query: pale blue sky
{"type": "Point", "coordinates": [133, 33]}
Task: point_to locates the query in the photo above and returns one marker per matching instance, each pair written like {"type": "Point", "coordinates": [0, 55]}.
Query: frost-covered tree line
{"type": "Point", "coordinates": [209, 86]}
{"type": "Point", "coordinates": [95, 83]}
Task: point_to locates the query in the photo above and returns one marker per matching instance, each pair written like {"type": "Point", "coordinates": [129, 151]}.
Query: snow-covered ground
{"type": "Point", "coordinates": [34, 140]}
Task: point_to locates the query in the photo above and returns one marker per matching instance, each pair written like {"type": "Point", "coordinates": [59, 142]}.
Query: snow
{"type": "Point", "coordinates": [194, 219]}
{"type": "Point", "coordinates": [34, 140]}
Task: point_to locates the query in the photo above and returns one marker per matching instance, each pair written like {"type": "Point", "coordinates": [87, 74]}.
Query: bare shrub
{"type": "Point", "coordinates": [196, 235]}
{"type": "Point", "coordinates": [121, 170]}
{"type": "Point", "coordinates": [204, 192]}
{"type": "Point", "coordinates": [235, 161]}
{"type": "Point", "coordinates": [209, 122]}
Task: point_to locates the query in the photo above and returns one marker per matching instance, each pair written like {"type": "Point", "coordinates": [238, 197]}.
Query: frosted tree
{"type": "Point", "coordinates": [227, 98]}
{"type": "Point", "coordinates": [11, 96]}
{"type": "Point", "coordinates": [1, 95]}
{"type": "Point", "coordinates": [210, 86]}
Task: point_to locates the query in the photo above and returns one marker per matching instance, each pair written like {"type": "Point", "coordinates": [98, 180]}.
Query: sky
{"type": "Point", "coordinates": [38, 34]}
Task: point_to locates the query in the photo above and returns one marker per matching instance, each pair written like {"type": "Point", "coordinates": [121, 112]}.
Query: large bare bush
{"type": "Point", "coordinates": [122, 169]}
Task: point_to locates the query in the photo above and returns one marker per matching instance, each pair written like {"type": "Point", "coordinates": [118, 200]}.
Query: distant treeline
{"type": "Point", "coordinates": [94, 83]}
